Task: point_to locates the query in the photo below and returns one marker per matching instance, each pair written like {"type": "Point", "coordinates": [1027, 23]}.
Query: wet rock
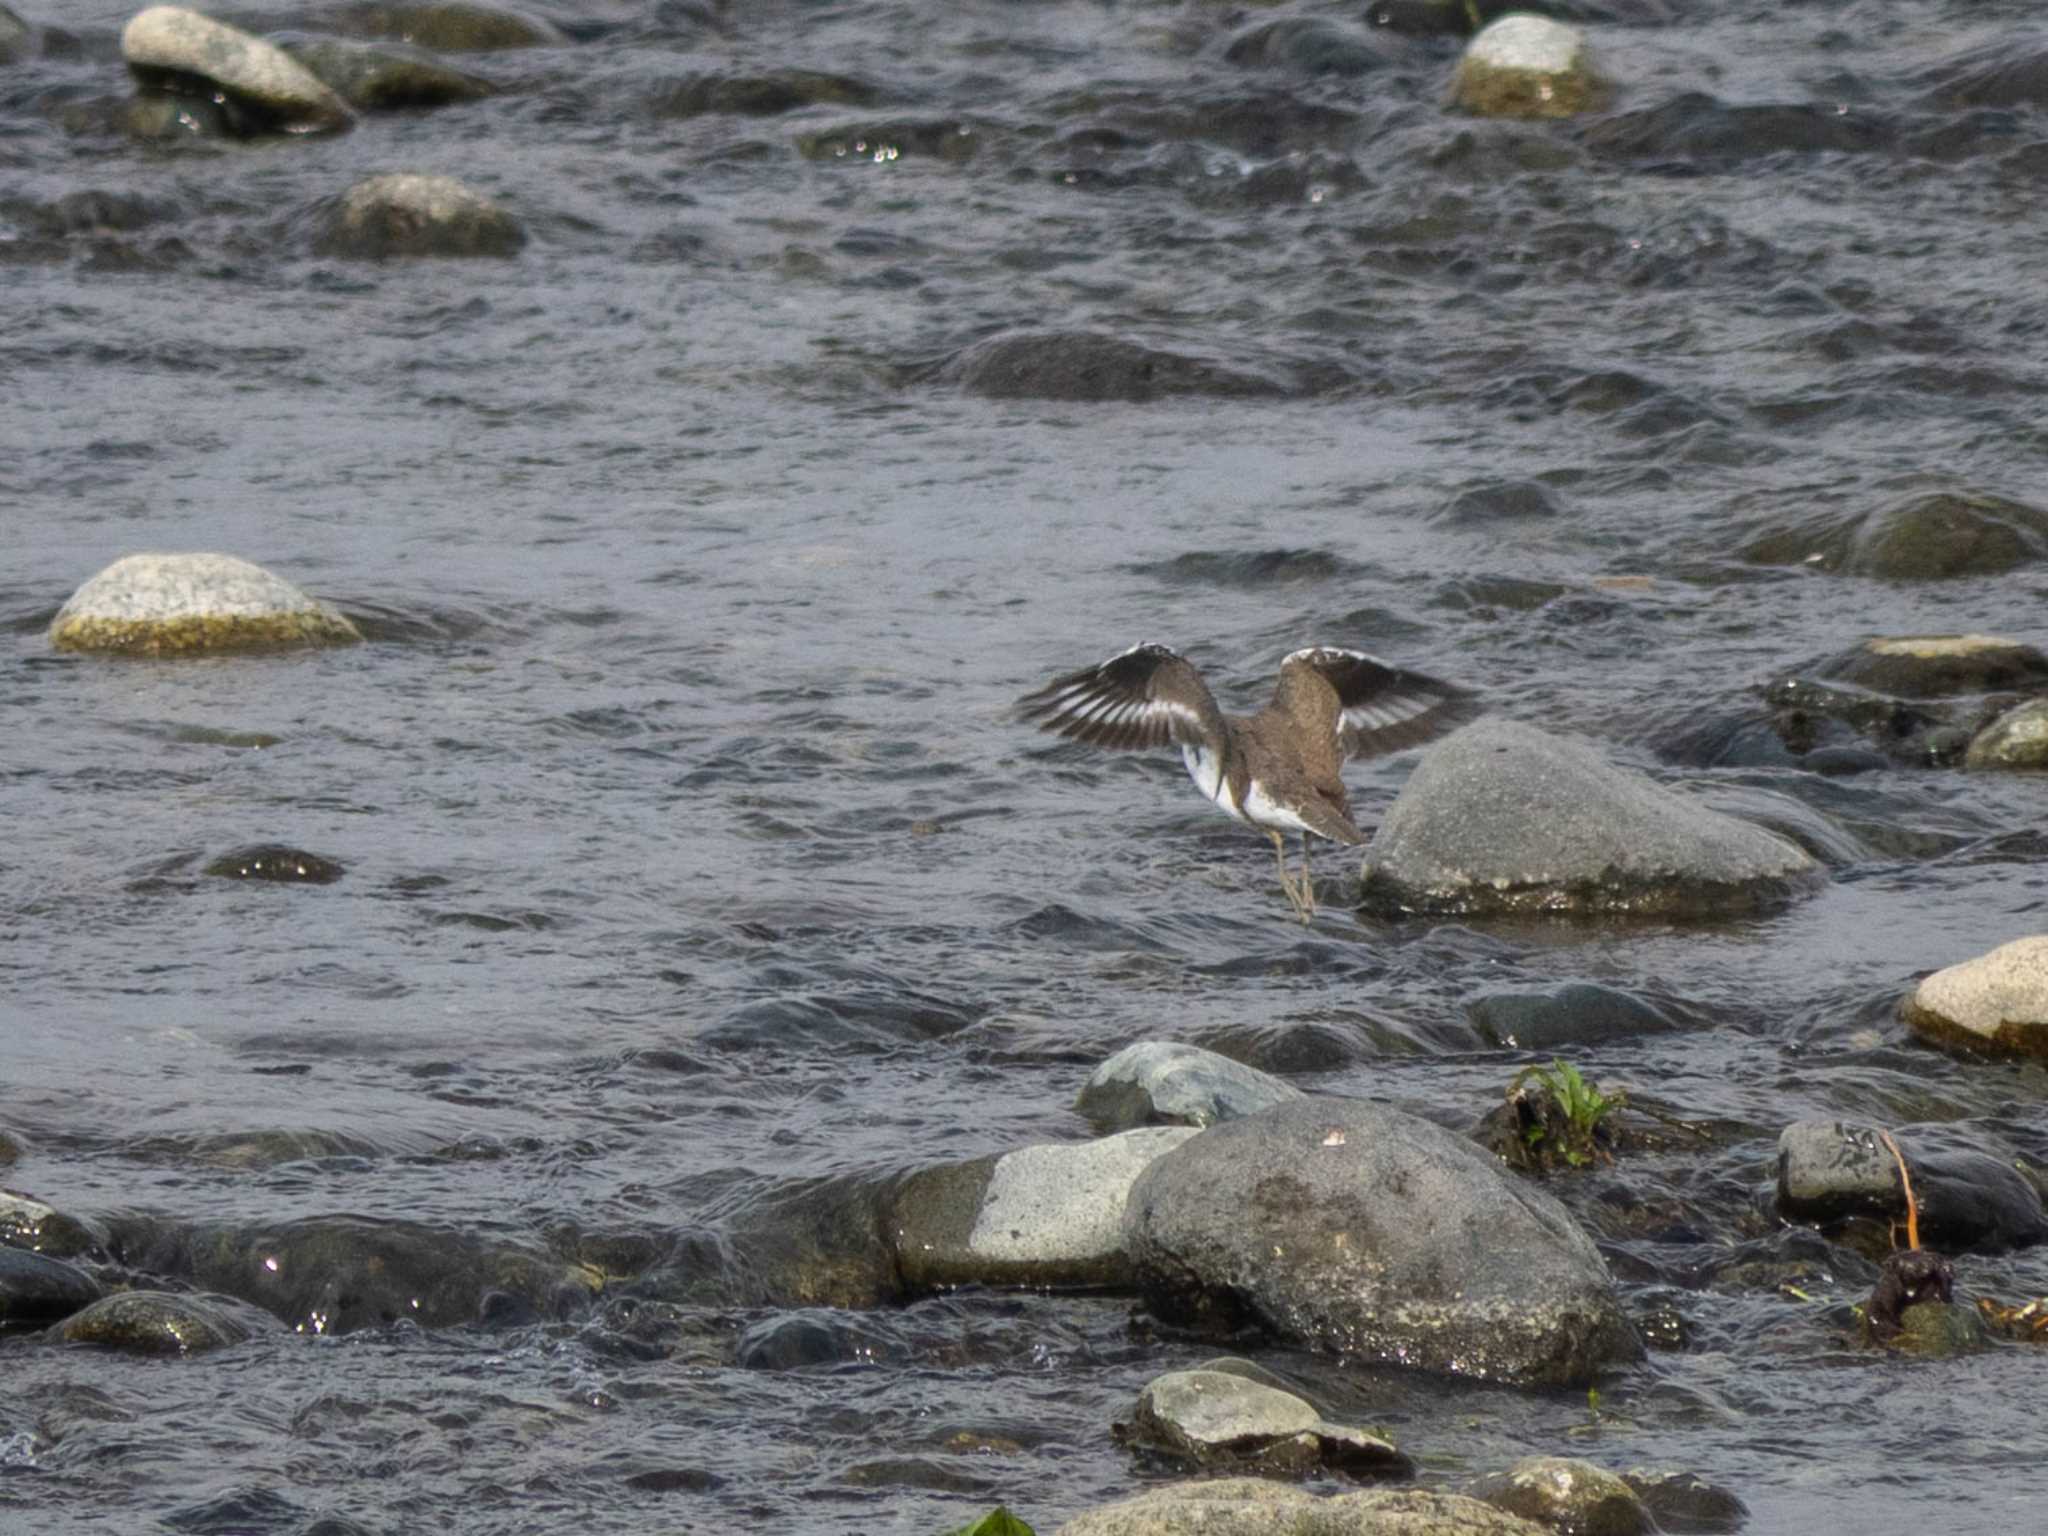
{"type": "Point", "coordinates": [1214, 1420]}
{"type": "Point", "coordinates": [169, 47]}
{"type": "Point", "coordinates": [1082, 365]}
{"type": "Point", "coordinates": [1369, 1233]}
{"type": "Point", "coordinates": [1164, 1080]}
{"type": "Point", "coordinates": [1938, 666]}
{"type": "Point", "coordinates": [17, 41]}
{"type": "Point", "coordinates": [815, 1243]}
{"type": "Point", "coordinates": [1566, 1494]}
{"type": "Point", "coordinates": [1499, 501]}
{"type": "Point", "coordinates": [388, 77]}
{"type": "Point", "coordinates": [35, 1288]}
{"type": "Point", "coordinates": [275, 862]}
{"type": "Point", "coordinates": [1927, 537]}
{"type": "Point", "coordinates": [794, 1340]}
{"type": "Point", "coordinates": [1044, 1215]}
{"type": "Point", "coordinates": [193, 605]}
{"type": "Point", "coordinates": [1940, 1330]}
{"type": "Point", "coordinates": [2016, 741]}
{"type": "Point", "coordinates": [1811, 717]}
{"type": "Point", "coordinates": [157, 1323]}
{"type": "Point", "coordinates": [411, 215]}
{"type": "Point", "coordinates": [1501, 817]}
{"type": "Point", "coordinates": [1685, 1502]}
{"type": "Point", "coordinates": [1255, 1506]}
{"type": "Point", "coordinates": [448, 26]}
{"type": "Point", "coordinates": [1310, 45]}
{"type": "Point", "coordinates": [1996, 1003]}
{"type": "Point", "coordinates": [760, 95]}
{"type": "Point", "coordinates": [1527, 66]}
{"type": "Point", "coordinates": [10, 1148]}
{"type": "Point", "coordinates": [1832, 1170]}
{"type": "Point", "coordinates": [1577, 1013]}
{"type": "Point", "coordinates": [30, 1224]}
{"type": "Point", "coordinates": [336, 1274]}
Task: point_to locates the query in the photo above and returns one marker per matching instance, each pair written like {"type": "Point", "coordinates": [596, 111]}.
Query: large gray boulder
{"type": "Point", "coordinates": [1166, 1080]}
{"type": "Point", "coordinates": [1503, 818]}
{"type": "Point", "coordinates": [1373, 1234]}
{"type": "Point", "coordinates": [1996, 1003]}
{"type": "Point", "coordinates": [1041, 1215]}
{"type": "Point", "coordinates": [168, 46]}
{"type": "Point", "coordinates": [191, 605]}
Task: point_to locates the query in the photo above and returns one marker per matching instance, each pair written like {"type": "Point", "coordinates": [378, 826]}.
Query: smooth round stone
{"type": "Point", "coordinates": [1165, 1080]}
{"type": "Point", "coordinates": [1936, 666]}
{"type": "Point", "coordinates": [35, 1288]}
{"type": "Point", "coordinates": [2016, 740]}
{"type": "Point", "coordinates": [1527, 66]}
{"type": "Point", "coordinates": [155, 1323]}
{"type": "Point", "coordinates": [412, 215]}
{"type": "Point", "coordinates": [1225, 1418]}
{"type": "Point", "coordinates": [168, 39]}
{"type": "Point", "coordinates": [388, 77]}
{"type": "Point", "coordinates": [1566, 1494]}
{"type": "Point", "coordinates": [191, 605]}
{"type": "Point", "coordinates": [1996, 1003]}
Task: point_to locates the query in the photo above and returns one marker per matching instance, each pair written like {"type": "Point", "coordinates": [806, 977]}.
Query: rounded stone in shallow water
{"type": "Point", "coordinates": [35, 1288]}
{"type": "Point", "coordinates": [412, 215]}
{"type": "Point", "coordinates": [156, 1323]}
{"type": "Point", "coordinates": [1996, 1003]}
{"type": "Point", "coordinates": [1504, 818]}
{"type": "Point", "coordinates": [1937, 666]}
{"type": "Point", "coordinates": [1566, 1494]}
{"type": "Point", "coordinates": [1219, 1419]}
{"type": "Point", "coordinates": [2016, 741]}
{"type": "Point", "coordinates": [275, 862]}
{"type": "Point", "coordinates": [165, 42]}
{"type": "Point", "coordinates": [193, 605]}
{"type": "Point", "coordinates": [1527, 66]}
{"type": "Point", "coordinates": [388, 77]}
{"type": "Point", "coordinates": [1932, 536]}
{"type": "Point", "coordinates": [1165, 1080]}
{"type": "Point", "coordinates": [1062, 365]}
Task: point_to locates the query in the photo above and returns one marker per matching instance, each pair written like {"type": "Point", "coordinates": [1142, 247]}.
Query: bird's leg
{"type": "Point", "coordinates": [1286, 878]}
{"type": "Point", "coordinates": [1308, 889]}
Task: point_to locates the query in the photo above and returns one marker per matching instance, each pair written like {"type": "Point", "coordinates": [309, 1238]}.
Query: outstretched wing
{"type": "Point", "coordinates": [1148, 696]}
{"type": "Point", "coordinates": [1382, 708]}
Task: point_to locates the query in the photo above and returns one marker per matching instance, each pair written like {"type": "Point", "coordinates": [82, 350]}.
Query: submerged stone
{"type": "Point", "coordinates": [1503, 818]}
{"type": "Point", "coordinates": [388, 77]}
{"type": "Point", "coordinates": [1932, 536]}
{"type": "Point", "coordinates": [1996, 1003]}
{"type": "Point", "coordinates": [1218, 1419]}
{"type": "Point", "coordinates": [35, 1288]}
{"type": "Point", "coordinates": [412, 215]}
{"type": "Point", "coordinates": [168, 44]}
{"type": "Point", "coordinates": [1527, 66]}
{"type": "Point", "coordinates": [275, 862]}
{"type": "Point", "coordinates": [157, 1323]}
{"type": "Point", "coordinates": [1361, 1231]}
{"type": "Point", "coordinates": [1939, 666]}
{"type": "Point", "coordinates": [1044, 1215]}
{"type": "Point", "coordinates": [448, 26]}
{"type": "Point", "coordinates": [1085, 366]}
{"type": "Point", "coordinates": [193, 605]}
{"type": "Point", "coordinates": [1165, 1080]}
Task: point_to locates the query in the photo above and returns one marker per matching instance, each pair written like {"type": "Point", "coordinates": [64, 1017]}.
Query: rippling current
{"type": "Point", "coordinates": [691, 848]}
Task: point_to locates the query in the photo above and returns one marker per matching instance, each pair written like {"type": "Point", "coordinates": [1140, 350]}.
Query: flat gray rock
{"type": "Point", "coordinates": [1373, 1234]}
{"type": "Point", "coordinates": [1503, 818]}
{"type": "Point", "coordinates": [1164, 1080]}
{"type": "Point", "coordinates": [1224, 1419]}
{"type": "Point", "coordinates": [1996, 1003]}
{"type": "Point", "coordinates": [1043, 1215]}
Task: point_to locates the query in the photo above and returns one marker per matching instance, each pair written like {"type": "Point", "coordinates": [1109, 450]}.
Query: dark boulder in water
{"type": "Point", "coordinates": [158, 1323]}
{"type": "Point", "coordinates": [35, 1288]}
{"type": "Point", "coordinates": [1922, 538]}
{"type": "Point", "coordinates": [1086, 365]}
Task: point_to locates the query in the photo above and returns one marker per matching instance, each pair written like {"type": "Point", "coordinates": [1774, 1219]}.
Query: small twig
{"type": "Point", "coordinates": [1906, 1182]}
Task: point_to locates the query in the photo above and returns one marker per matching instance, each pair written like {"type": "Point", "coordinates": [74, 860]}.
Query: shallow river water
{"type": "Point", "coordinates": [693, 850]}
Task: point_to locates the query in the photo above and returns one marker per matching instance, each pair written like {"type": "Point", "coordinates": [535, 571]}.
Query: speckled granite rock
{"type": "Point", "coordinates": [190, 605]}
{"type": "Point", "coordinates": [1527, 66]}
{"type": "Point", "coordinates": [2016, 741]}
{"type": "Point", "coordinates": [1996, 1003]}
{"type": "Point", "coordinates": [169, 41]}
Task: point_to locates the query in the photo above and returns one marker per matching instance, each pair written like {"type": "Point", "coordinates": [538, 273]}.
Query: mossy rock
{"type": "Point", "coordinates": [194, 605]}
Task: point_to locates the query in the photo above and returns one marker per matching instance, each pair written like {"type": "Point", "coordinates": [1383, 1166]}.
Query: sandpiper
{"type": "Point", "coordinates": [1280, 769]}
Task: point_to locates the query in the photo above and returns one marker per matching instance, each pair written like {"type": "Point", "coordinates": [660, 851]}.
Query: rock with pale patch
{"type": "Point", "coordinates": [193, 605]}
{"type": "Point", "coordinates": [1503, 818]}
{"type": "Point", "coordinates": [1938, 666]}
{"type": "Point", "coordinates": [1228, 1419]}
{"type": "Point", "coordinates": [1566, 1494]}
{"type": "Point", "coordinates": [1527, 66]}
{"type": "Point", "coordinates": [1255, 1506]}
{"type": "Point", "coordinates": [1165, 1080]}
{"type": "Point", "coordinates": [413, 215]}
{"type": "Point", "coordinates": [167, 46]}
{"type": "Point", "coordinates": [1996, 1003]}
{"type": "Point", "coordinates": [1042, 1215]}
{"type": "Point", "coordinates": [1832, 1170]}
{"type": "Point", "coordinates": [2016, 741]}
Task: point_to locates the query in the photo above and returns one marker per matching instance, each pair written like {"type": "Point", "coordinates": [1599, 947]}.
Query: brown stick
{"type": "Point", "coordinates": [1906, 1183]}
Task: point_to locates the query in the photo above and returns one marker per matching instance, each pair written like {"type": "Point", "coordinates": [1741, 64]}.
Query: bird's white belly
{"type": "Point", "coordinates": [1206, 769]}
{"type": "Point", "coordinates": [1264, 812]}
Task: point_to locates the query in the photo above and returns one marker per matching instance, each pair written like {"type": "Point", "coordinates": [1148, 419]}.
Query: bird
{"type": "Point", "coordinates": [1279, 770]}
